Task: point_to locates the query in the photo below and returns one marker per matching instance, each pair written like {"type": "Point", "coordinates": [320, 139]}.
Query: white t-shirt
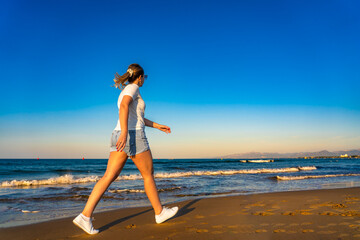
{"type": "Point", "coordinates": [136, 107]}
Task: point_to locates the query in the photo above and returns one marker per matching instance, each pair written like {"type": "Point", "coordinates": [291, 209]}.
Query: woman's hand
{"type": "Point", "coordinates": [164, 128]}
{"type": "Point", "coordinates": [121, 142]}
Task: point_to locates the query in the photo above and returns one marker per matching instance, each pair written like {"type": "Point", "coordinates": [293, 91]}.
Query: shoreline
{"type": "Point", "coordinates": [323, 213]}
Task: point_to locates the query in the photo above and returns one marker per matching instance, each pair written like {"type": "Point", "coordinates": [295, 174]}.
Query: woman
{"type": "Point", "coordinates": [128, 140]}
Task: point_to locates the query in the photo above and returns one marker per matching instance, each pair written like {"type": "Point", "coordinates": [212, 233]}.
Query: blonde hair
{"type": "Point", "coordinates": [133, 72]}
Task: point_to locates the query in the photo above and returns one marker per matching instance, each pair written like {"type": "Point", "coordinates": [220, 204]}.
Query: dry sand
{"type": "Point", "coordinates": [315, 214]}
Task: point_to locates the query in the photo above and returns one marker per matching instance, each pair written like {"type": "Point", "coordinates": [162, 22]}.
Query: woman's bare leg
{"type": "Point", "coordinates": [115, 164]}
{"type": "Point", "coordinates": [144, 163]}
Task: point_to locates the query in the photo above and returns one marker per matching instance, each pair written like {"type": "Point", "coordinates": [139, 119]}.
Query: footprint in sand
{"type": "Point", "coordinates": [350, 213]}
{"type": "Point", "coordinates": [275, 207]}
{"type": "Point", "coordinates": [326, 232]}
{"type": "Point", "coordinates": [190, 228]}
{"type": "Point", "coordinates": [293, 224]}
{"type": "Point", "coordinates": [328, 213]}
{"type": "Point", "coordinates": [308, 230]}
{"type": "Point", "coordinates": [279, 230]}
{"type": "Point", "coordinates": [260, 230]}
{"type": "Point", "coordinates": [306, 213]}
{"type": "Point", "coordinates": [279, 224]}
{"type": "Point", "coordinates": [339, 205]}
{"type": "Point", "coordinates": [263, 213]}
{"type": "Point", "coordinates": [131, 226]}
{"type": "Point", "coordinates": [354, 225]}
{"type": "Point", "coordinates": [173, 223]}
{"type": "Point", "coordinates": [288, 213]}
{"type": "Point", "coordinates": [202, 230]}
{"type": "Point", "coordinates": [344, 223]}
{"type": "Point", "coordinates": [352, 198]}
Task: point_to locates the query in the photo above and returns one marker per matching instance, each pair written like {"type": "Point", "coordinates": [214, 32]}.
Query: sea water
{"type": "Point", "coordinates": [34, 190]}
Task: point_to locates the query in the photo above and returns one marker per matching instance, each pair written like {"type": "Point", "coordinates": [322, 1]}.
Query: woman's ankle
{"type": "Point", "coordinates": [158, 211]}
{"type": "Point", "coordinates": [86, 215]}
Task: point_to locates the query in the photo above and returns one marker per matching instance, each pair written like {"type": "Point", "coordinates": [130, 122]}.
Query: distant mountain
{"type": "Point", "coordinates": [323, 153]}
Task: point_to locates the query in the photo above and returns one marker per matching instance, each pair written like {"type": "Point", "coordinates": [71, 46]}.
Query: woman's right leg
{"type": "Point", "coordinates": [115, 164]}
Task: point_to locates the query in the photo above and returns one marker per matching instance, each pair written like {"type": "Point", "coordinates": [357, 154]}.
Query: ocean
{"type": "Point", "coordinates": [34, 190]}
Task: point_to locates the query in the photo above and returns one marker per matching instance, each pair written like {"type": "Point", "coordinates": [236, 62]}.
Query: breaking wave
{"type": "Point", "coordinates": [70, 179]}
{"type": "Point", "coordinates": [288, 178]}
{"type": "Point", "coordinates": [257, 161]}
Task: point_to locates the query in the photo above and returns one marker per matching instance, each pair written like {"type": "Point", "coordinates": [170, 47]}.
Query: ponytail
{"type": "Point", "coordinates": [132, 73]}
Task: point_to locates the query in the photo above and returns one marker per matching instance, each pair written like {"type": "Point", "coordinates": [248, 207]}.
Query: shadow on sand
{"type": "Point", "coordinates": [182, 211]}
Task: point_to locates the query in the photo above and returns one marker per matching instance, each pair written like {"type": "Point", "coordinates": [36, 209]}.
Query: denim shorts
{"type": "Point", "coordinates": [136, 142]}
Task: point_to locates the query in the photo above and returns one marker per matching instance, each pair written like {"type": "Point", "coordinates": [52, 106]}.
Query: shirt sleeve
{"type": "Point", "coordinates": [131, 90]}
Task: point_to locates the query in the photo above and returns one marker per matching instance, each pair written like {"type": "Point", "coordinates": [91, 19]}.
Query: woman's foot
{"type": "Point", "coordinates": [85, 224]}
{"type": "Point", "coordinates": [166, 214]}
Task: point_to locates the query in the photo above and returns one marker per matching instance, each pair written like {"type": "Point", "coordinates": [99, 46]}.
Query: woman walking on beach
{"type": "Point", "coordinates": [128, 140]}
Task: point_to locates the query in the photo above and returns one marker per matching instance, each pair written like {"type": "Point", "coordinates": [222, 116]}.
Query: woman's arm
{"type": "Point", "coordinates": [161, 127]}
{"type": "Point", "coordinates": [123, 117]}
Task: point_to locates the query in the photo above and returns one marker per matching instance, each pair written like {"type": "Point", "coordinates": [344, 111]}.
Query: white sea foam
{"type": "Point", "coordinates": [69, 179]}
{"type": "Point", "coordinates": [66, 179]}
{"type": "Point", "coordinates": [288, 178]}
{"type": "Point", "coordinates": [22, 210]}
{"type": "Point", "coordinates": [307, 168]}
{"type": "Point", "coordinates": [141, 190]}
{"type": "Point", "coordinates": [260, 161]}
{"type": "Point", "coordinates": [28, 211]}
{"type": "Point", "coordinates": [127, 191]}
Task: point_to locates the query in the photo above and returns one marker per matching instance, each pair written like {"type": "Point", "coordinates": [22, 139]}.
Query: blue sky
{"type": "Point", "coordinates": [226, 76]}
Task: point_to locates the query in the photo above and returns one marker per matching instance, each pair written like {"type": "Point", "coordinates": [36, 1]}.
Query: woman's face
{"type": "Point", "coordinates": [142, 80]}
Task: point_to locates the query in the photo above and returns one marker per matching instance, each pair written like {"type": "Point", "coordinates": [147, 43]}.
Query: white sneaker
{"type": "Point", "coordinates": [85, 225]}
{"type": "Point", "coordinates": [165, 214]}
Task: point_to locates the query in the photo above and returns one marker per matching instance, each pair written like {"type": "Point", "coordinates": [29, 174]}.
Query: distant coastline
{"type": "Point", "coordinates": [321, 154]}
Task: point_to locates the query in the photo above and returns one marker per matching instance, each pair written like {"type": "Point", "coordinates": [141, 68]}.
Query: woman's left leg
{"type": "Point", "coordinates": [144, 162]}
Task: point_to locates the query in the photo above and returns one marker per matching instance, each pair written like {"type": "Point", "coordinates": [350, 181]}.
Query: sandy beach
{"type": "Point", "coordinates": [313, 214]}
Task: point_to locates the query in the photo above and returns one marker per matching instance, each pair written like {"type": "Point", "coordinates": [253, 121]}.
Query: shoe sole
{"type": "Point", "coordinates": [77, 224]}
{"type": "Point", "coordinates": [168, 218]}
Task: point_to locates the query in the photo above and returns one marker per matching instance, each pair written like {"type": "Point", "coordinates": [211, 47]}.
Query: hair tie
{"type": "Point", "coordinates": [130, 71]}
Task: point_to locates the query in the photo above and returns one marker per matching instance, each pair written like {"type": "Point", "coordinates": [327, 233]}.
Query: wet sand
{"type": "Point", "coordinates": [314, 214]}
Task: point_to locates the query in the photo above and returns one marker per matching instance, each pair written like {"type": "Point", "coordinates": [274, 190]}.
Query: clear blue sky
{"type": "Point", "coordinates": [226, 76]}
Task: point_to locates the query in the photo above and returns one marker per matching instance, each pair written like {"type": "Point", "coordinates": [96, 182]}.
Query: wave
{"type": "Point", "coordinates": [257, 161]}
{"type": "Point", "coordinates": [69, 179]}
{"type": "Point", "coordinates": [288, 178]}
{"type": "Point", "coordinates": [22, 210]}
{"type": "Point", "coordinates": [66, 179]}
{"type": "Point", "coordinates": [142, 191]}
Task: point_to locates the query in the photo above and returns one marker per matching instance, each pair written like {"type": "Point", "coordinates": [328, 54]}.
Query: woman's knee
{"type": "Point", "coordinates": [149, 174]}
{"type": "Point", "coordinates": [109, 177]}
